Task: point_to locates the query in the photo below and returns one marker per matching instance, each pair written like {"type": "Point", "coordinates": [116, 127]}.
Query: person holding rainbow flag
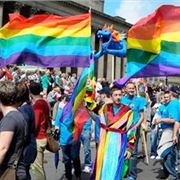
{"type": "Point", "coordinates": [116, 136]}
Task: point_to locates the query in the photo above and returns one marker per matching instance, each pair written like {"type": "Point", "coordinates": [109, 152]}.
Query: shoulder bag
{"type": "Point", "coordinates": [52, 139]}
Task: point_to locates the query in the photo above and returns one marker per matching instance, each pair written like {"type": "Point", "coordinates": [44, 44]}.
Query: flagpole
{"type": "Point", "coordinates": [112, 75]}
{"type": "Point", "coordinates": [92, 54]}
{"type": "Point", "coordinates": [89, 9]}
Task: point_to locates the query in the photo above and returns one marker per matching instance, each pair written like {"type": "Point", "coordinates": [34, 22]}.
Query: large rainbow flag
{"type": "Point", "coordinates": [154, 45]}
{"type": "Point", "coordinates": [75, 115]}
{"type": "Point", "coordinates": [46, 40]}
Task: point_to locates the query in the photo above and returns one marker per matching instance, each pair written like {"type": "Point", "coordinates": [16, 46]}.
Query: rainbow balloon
{"type": "Point", "coordinates": [46, 40]}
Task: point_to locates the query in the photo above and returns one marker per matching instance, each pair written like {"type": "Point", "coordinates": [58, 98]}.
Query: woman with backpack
{"type": "Point", "coordinates": [12, 133]}
{"type": "Point", "coordinates": [30, 148]}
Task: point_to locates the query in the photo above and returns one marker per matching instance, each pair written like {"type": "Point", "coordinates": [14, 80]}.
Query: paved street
{"type": "Point", "coordinates": [145, 172]}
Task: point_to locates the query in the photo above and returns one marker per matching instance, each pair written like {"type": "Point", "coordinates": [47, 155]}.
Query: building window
{"type": "Point", "coordinates": [63, 69]}
{"type": "Point", "coordinates": [73, 70]}
{"type": "Point", "coordinates": [105, 66]}
{"type": "Point", "coordinates": [115, 67]}
{"type": "Point", "coordinates": [122, 67]}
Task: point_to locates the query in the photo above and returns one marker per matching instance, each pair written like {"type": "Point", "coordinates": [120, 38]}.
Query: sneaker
{"type": "Point", "coordinates": [141, 156]}
{"type": "Point", "coordinates": [63, 178]}
{"type": "Point", "coordinates": [87, 169]}
{"type": "Point", "coordinates": [131, 178]}
{"type": "Point", "coordinates": [72, 171]}
{"type": "Point", "coordinates": [152, 157]}
{"type": "Point", "coordinates": [162, 175]}
{"type": "Point", "coordinates": [176, 168]}
{"type": "Point", "coordinates": [158, 157]}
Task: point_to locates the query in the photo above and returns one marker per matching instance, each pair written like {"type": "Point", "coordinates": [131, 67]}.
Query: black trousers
{"type": "Point", "coordinates": [71, 159]}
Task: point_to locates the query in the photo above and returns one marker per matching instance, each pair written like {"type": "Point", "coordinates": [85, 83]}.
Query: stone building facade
{"type": "Point", "coordinates": [108, 66]}
{"type": "Point", "coordinates": [94, 4]}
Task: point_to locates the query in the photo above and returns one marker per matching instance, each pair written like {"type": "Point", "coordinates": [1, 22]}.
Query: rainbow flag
{"type": "Point", "coordinates": [116, 137]}
{"type": "Point", "coordinates": [75, 115]}
{"type": "Point", "coordinates": [46, 40]}
{"type": "Point", "coordinates": [154, 45]}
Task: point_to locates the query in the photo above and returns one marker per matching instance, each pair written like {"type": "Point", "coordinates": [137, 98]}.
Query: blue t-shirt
{"type": "Point", "coordinates": [116, 109]}
{"type": "Point", "coordinates": [167, 111]}
{"type": "Point", "coordinates": [175, 103]}
{"type": "Point", "coordinates": [137, 104]}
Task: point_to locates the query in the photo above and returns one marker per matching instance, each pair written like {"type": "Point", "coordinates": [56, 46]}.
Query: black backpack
{"type": "Point", "coordinates": [30, 151]}
{"type": "Point", "coordinates": [30, 147]}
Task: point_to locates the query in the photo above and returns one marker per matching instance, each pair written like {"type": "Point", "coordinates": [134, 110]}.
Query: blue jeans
{"type": "Point", "coordinates": [97, 130]}
{"type": "Point", "coordinates": [169, 164]}
{"type": "Point", "coordinates": [86, 139]}
{"type": "Point", "coordinates": [71, 154]}
{"type": "Point", "coordinates": [154, 140]}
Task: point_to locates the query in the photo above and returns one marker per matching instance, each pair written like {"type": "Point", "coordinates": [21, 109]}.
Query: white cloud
{"type": "Point", "coordinates": [133, 10]}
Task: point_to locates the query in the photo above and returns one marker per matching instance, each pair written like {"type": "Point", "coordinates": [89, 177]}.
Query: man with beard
{"type": "Point", "coordinates": [116, 136]}
{"type": "Point", "coordinates": [137, 104]}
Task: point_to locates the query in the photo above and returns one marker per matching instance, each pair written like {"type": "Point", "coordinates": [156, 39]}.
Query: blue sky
{"type": "Point", "coordinates": [133, 10]}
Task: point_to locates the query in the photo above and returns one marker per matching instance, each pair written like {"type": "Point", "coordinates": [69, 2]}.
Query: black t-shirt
{"type": "Point", "coordinates": [13, 121]}
{"type": "Point", "coordinates": [28, 114]}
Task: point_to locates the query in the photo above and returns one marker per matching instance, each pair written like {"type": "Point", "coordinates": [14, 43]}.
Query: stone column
{"type": "Point", "coordinates": [121, 67]}
{"type": "Point", "coordinates": [68, 69]}
{"type": "Point", "coordinates": [117, 68]}
{"type": "Point", "coordinates": [93, 41]}
{"type": "Point", "coordinates": [100, 66]}
{"type": "Point", "coordinates": [79, 70]}
{"type": "Point", "coordinates": [93, 45]}
{"type": "Point", "coordinates": [109, 68]}
{"type": "Point", "coordinates": [1, 14]}
{"type": "Point", "coordinates": [124, 66]}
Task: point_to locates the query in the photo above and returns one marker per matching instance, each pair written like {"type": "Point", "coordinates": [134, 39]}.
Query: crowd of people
{"type": "Point", "coordinates": [31, 100]}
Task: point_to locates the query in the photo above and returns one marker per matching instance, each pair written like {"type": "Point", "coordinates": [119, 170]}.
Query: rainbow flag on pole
{"type": "Point", "coordinates": [75, 115]}
{"type": "Point", "coordinates": [154, 45]}
{"type": "Point", "coordinates": [46, 40]}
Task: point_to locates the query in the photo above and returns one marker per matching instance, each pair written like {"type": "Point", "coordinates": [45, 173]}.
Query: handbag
{"type": "Point", "coordinates": [52, 139]}
{"type": "Point", "coordinates": [9, 174]}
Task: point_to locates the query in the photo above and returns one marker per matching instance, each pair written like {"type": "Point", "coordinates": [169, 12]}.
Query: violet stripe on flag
{"type": "Point", "coordinates": [154, 45]}
{"type": "Point", "coordinates": [46, 40]}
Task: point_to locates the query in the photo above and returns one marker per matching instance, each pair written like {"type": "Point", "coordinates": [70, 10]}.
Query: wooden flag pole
{"type": "Point", "coordinates": [145, 145]}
